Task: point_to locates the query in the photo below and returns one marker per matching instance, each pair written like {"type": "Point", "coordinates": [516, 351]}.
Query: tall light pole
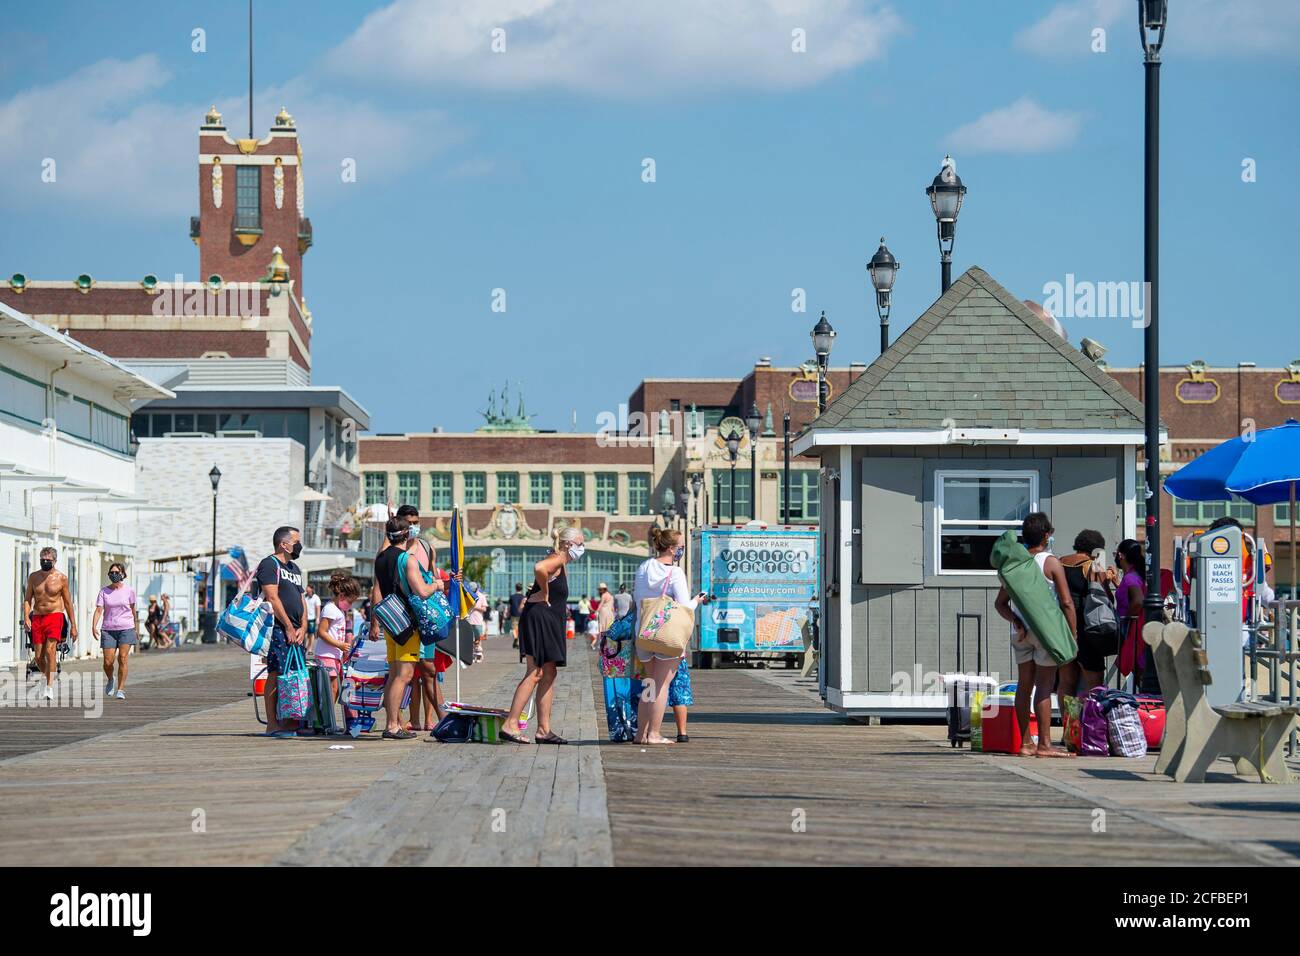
{"type": "Point", "coordinates": [733, 449]}
{"type": "Point", "coordinates": [823, 338]}
{"type": "Point", "coordinates": [1151, 25]}
{"type": "Point", "coordinates": [883, 268]}
{"type": "Point", "coordinates": [785, 509]}
{"type": "Point", "coordinates": [946, 194]}
{"type": "Point", "coordinates": [214, 476]}
{"type": "Point", "coordinates": [754, 421]}
{"type": "Point", "coordinates": [697, 489]}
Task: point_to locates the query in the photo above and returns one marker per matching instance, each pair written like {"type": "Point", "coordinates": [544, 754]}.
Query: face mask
{"type": "Point", "coordinates": [413, 531]}
{"type": "Point", "coordinates": [47, 564]}
{"type": "Point", "coordinates": [297, 550]}
{"type": "Point", "coordinates": [115, 576]}
{"type": "Point", "coordinates": [677, 555]}
{"type": "Point", "coordinates": [577, 551]}
{"type": "Point", "coordinates": [1050, 540]}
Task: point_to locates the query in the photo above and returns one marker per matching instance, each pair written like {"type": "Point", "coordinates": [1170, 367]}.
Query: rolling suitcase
{"type": "Point", "coordinates": [322, 716]}
{"type": "Point", "coordinates": [961, 688]}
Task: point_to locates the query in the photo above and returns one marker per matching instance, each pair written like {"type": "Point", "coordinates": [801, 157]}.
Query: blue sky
{"type": "Point", "coordinates": [775, 170]}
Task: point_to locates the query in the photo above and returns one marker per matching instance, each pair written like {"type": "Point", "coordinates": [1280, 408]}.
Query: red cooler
{"type": "Point", "coordinates": [1151, 713]}
{"type": "Point", "coordinates": [998, 725]}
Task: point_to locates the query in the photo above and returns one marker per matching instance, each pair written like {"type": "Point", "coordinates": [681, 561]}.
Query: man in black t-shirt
{"type": "Point", "coordinates": [280, 583]}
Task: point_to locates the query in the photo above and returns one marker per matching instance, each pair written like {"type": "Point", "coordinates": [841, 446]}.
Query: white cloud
{"type": "Point", "coordinates": [1022, 127]}
{"type": "Point", "coordinates": [1206, 28]}
{"type": "Point", "coordinates": [120, 147]}
{"type": "Point", "coordinates": [616, 49]}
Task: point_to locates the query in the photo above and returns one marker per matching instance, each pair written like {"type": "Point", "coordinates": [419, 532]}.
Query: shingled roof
{"type": "Point", "coordinates": [979, 357]}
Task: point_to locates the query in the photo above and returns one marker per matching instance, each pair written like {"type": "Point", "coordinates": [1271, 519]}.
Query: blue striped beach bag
{"type": "Point", "coordinates": [247, 623]}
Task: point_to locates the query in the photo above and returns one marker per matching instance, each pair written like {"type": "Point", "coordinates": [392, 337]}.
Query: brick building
{"type": "Point", "coordinates": [250, 229]}
{"type": "Point", "coordinates": [517, 484]}
{"type": "Point", "coordinates": [1201, 407]}
{"type": "Point", "coordinates": [233, 346]}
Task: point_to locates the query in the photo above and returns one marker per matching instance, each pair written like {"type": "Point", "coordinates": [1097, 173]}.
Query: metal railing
{"type": "Point", "coordinates": [332, 539]}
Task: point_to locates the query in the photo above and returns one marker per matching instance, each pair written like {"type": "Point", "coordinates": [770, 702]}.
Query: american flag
{"type": "Point", "coordinates": [237, 565]}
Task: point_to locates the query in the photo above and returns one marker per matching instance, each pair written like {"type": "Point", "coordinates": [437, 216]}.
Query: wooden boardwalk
{"type": "Point", "coordinates": [770, 778]}
{"type": "Point", "coordinates": [178, 775]}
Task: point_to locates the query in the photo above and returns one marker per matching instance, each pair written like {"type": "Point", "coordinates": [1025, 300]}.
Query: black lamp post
{"type": "Point", "coordinates": [946, 194]}
{"type": "Point", "coordinates": [883, 268]}
{"type": "Point", "coordinates": [214, 476]}
{"type": "Point", "coordinates": [1151, 23]}
{"type": "Point", "coordinates": [785, 508]}
{"type": "Point", "coordinates": [733, 449]}
{"type": "Point", "coordinates": [697, 486]}
{"type": "Point", "coordinates": [823, 337]}
{"type": "Point", "coordinates": [755, 422]}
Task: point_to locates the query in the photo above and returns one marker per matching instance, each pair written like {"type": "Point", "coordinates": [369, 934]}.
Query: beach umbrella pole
{"type": "Point", "coordinates": [1292, 515]}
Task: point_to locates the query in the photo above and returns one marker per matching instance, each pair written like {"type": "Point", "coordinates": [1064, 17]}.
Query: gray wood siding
{"type": "Point", "coordinates": [891, 538]}
{"type": "Point", "coordinates": [897, 627]}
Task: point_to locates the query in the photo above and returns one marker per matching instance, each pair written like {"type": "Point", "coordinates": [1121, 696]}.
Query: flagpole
{"type": "Point", "coordinates": [460, 563]}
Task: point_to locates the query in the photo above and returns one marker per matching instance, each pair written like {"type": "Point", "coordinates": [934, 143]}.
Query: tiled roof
{"type": "Point", "coordinates": [978, 356]}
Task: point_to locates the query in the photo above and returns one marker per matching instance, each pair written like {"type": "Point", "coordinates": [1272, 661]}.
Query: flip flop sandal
{"type": "Point", "coordinates": [549, 739]}
{"type": "Point", "coordinates": [400, 735]}
{"type": "Point", "coordinates": [512, 738]}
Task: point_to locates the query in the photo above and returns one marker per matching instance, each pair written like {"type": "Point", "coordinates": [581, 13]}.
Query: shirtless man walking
{"type": "Point", "coordinates": [45, 603]}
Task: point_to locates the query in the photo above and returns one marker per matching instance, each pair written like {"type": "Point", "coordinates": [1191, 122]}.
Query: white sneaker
{"type": "Point", "coordinates": [121, 695]}
{"type": "Point", "coordinates": [49, 692]}
{"type": "Point", "coordinates": [108, 687]}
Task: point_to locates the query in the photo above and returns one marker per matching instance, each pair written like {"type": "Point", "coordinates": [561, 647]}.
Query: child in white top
{"type": "Point", "coordinates": [334, 636]}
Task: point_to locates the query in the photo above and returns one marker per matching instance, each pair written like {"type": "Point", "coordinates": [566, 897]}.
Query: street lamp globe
{"type": "Point", "coordinates": [697, 483]}
{"type": "Point", "coordinates": [1151, 25]}
{"type": "Point", "coordinates": [946, 193]}
{"type": "Point", "coordinates": [823, 337]}
{"type": "Point", "coordinates": [754, 420]}
{"type": "Point", "coordinates": [214, 476]}
{"type": "Point", "coordinates": [883, 268]}
{"type": "Point", "coordinates": [733, 444]}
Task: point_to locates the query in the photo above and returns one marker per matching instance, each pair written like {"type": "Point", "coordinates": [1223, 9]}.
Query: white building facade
{"type": "Point", "coordinates": [67, 470]}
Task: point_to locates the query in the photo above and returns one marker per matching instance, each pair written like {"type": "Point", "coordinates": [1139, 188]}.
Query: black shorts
{"type": "Point", "coordinates": [1093, 651]}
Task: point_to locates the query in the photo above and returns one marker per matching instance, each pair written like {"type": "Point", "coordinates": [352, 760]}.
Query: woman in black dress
{"type": "Point", "coordinates": [542, 643]}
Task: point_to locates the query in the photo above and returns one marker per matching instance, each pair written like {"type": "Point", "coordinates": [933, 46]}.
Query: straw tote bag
{"type": "Point", "coordinates": [665, 626]}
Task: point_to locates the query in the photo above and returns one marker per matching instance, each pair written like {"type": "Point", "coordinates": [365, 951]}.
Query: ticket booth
{"type": "Point", "coordinates": [975, 416]}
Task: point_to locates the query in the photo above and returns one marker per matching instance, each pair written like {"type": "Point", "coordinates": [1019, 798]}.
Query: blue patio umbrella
{"type": "Point", "coordinates": [1263, 469]}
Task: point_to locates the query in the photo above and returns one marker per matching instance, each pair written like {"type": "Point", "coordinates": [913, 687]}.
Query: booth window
{"type": "Point", "coordinates": [973, 509]}
{"type": "Point", "coordinates": [1282, 515]}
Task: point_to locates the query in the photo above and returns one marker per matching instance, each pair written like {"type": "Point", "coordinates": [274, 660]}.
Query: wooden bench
{"type": "Point", "coordinates": [1196, 734]}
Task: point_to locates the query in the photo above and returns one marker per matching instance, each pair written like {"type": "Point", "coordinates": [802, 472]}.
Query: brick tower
{"type": "Point", "coordinates": [250, 201]}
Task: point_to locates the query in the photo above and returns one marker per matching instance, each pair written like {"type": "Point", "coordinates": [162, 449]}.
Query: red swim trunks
{"type": "Point", "coordinates": [47, 627]}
